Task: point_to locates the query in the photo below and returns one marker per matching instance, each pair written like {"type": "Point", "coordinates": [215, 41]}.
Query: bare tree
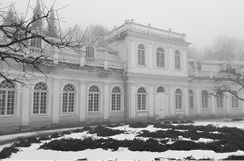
{"type": "Point", "coordinates": [93, 32]}
{"type": "Point", "coordinates": [225, 48]}
{"type": "Point", "coordinates": [230, 80]}
{"type": "Point", "coordinates": [23, 44]}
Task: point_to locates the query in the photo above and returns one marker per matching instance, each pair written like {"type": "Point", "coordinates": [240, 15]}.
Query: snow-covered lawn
{"type": "Point", "coordinates": [33, 153]}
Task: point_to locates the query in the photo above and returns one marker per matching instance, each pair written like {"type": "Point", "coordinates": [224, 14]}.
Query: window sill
{"type": "Point", "coordinates": [40, 115]}
{"type": "Point", "coordinates": [142, 110]}
{"type": "Point", "coordinates": [8, 116]}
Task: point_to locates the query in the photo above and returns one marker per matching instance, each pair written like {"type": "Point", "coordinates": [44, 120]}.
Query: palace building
{"type": "Point", "coordinates": [134, 72]}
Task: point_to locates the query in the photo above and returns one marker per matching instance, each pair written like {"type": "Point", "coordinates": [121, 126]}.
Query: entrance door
{"type": "Point", "coordinates": [160, 105]}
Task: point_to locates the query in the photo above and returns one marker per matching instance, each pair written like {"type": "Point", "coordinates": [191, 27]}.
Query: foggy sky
{"type": "Point", "coordinates": [200, 20]}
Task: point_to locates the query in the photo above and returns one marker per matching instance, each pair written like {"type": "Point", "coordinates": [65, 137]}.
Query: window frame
{"type": "Point", "coordinates": [178, 99]}
{"type": "Point", "coordinates": [204, 99]}
{"type": "Point", "coordinates": [191, 99]}
{"type": "Point", "coordinates": [235, 101]}
{"type": "Point", "coordinates": [177, 59]}
{"type": "Point", "coordinates": [220, 101]}
{"type": "Point", "coordinates": [90, 52]}
{"type": "Point", "coordinates": [141, 99]}
{"type": "Point", "coordinates": [115, 98]}
{"type": "Point", "coordinates": [10, 94]}
{"type": "Point", "coordinates": [160, 58]}
{"type": "Point", "coordinates": [92, 95]}
{"type": "Point", "coordinates": [39, 98]}
{"type": "Point", "coordinates": [71, 107]}
{"type": "Point", "coordinates": [141, 55]}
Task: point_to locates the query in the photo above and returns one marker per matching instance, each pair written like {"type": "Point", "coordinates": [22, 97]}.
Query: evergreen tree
{"type": "Point", "coordinates": [52, 30]}
{"type": "Point", "coordinates": [37, 13]}
{"type": "Point", "coordinates": [10, 17]}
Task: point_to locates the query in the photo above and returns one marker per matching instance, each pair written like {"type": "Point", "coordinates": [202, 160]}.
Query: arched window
{"type": "Point", "coordinates": [199, 66]}
{"type": "Point", "coordinates": [178, 99]}
{"type": "Point", "coordinates": [36, 42]}
{"type": "Point", "coordinates": [7, 98]}
{"type": "Point", "coordinates": [204, 99]}
{"type": "Point", "coordinates": [116, 99]}
{"type": "Point", "coordinates": [40, 98]}
{"type": "Point", "coordinates": [234, 100]}
{"type": "Point", "coordinates": [160, 89]}
{"type": "Point", "coordinates": [93, 100]}
{"type": "Point", "coordinates": [141, 55]}
{"type": "Point", "coordinates": [177, 59]}
{"type": "Point", "coordinates": [191, 98]}
{"type": "Point", "coordinates": [141, 99]}
{"type": "Point", "coordinates": [160, 57]}
{"type": "Point", "coordinates": [68, 98]}
{"type": "Point", "coordinates": [220, 101]}
{"type": "Point", "coordinates": [90, 51]}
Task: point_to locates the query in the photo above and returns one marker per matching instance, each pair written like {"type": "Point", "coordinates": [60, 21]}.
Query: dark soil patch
{"type": "Point", "coordinates": [7, 152]}
{"type": "Point", "coordinates": [104, 131]}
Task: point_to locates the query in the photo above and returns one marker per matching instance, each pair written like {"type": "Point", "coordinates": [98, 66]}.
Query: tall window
{"type": "Point", "coordinates": [7, 98]}
{"type": "Point", "coordinates": [220, 101]}
{"type": "Point", "coordinates": [141, 99]}
{"type": "Point", "coordinates": [160, 89]}
{"type": "Point", "coordinates": [68, 98]}
{"type": "Point", "coordinates": [141, 55]}
{"type": "Point", "coordinates": [199, 66]}
{"type": "Point", "coordinates": [93, 100]}
{"type": "Point", "coordinates": [40, 98]}
{"type": "Point", "coordinates": [234, 100]}
{"type": "Point", "coordinates": [36, 42]}
{"type": "Point", "coordinates": [178, 99]}
{"type": "Point", "coordinates": [191, 99]}
{"type": "Point", "coordinates": [160, 57]}
{"type": "Point", "coordinates": [116, 99]}
{"type": "Point", "coordinates": [204, 99]}
{"type": "Point", "coordinates": [177, 59]}
{"type": "Point", "coordinates": [90, 51]}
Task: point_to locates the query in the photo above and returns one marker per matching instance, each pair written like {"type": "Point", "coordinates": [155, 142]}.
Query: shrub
{"type": "Point", "coordinates": [175, 122]}
{"type": "Point", "coordinates": [7, 151]}
{"type": "Point", "coordinates": [66, 132]}
{"type": "Point", "coordinates": [189, 122]}
{"type": "Point", "coordinates": [77, 130]}
{"type": "Point", "coordinates": [166, 122]}
{"type": "Point", "coordinates": [103, 131]}
{"type": "Point", "coordinates": [55, 135]}
{"type": "Point", "coordinates": [234, 157]}
{"type": "Point", "coordinates": [237, 119]}
{"type": "Point", "coordinates": [138, 124]}
{"type": "Point", "coordinates": [45, 137]}
{"type": "Point", "coordinates": [22, 143]}
{"type": "Point", "coordinates": [183, 122]}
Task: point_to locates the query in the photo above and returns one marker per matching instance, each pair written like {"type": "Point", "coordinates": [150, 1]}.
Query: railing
{"type": "Point", "coordinates": [94, 62]}
{"type": "Point", "coordinates": [132, 26]}
{"type": "Point", "coordinates": [200, 73]}
{"type": "Point", "coordinates": [74, 58]}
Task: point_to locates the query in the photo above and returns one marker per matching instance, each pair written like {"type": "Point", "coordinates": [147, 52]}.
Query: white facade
{"type": "Point", "coordinates": [134, 72]}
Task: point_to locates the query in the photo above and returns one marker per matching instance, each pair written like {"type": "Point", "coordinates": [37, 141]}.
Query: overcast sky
{"type": "Point", "coordinates": [201, 20]}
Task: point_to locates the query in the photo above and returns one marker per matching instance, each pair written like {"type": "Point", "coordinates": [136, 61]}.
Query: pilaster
{"type": "Point", "coordinates": [151, 101]}
{"type": "Point", "coordinates": [186, 106]}
{"type": "Point", "coordinates": [171, 103]}
{"type": "Point", "coordinates": [213, 105]}
{"type": "Point", "coordinates": [106, 101]}
{"type": "Point", "coordinates": [198, 101]}
{"type": "Point", "coordinates": [82, 103]}
{"type": "Point", "coordinates": [25, 106]}
{"type": "Point", "coordinates": [56, 95]}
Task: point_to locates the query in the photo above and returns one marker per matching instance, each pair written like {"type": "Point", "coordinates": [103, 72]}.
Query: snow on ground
{"type": "Point", "coordinates": [33, 153]}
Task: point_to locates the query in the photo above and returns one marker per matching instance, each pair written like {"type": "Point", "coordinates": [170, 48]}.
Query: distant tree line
{"type": "Point", "coordinates": [223, 48]}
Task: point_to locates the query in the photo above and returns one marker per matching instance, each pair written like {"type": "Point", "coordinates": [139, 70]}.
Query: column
{"type": "Point", "coordinates": [106, 101]}
{"type": "Point", "coordinates": [171, 103]}
{"type": "Point", "coordinates": [198, 101]}
{"type": "Point", "coordinates": [149, 56]}
{"type": "Point", "coordinates": [133, 53]}
{"type": "Point", "coordinates": [56, 101]}
{"type": "Point", "coordinates": [228, 103]}
{"type": "Point", "coordinates": [133, 102]}
{"type": "Point", "coordinates": [25, 106]}
{"type": "Point", "coordinates": [82, 103]}
{"type": "Point", "coordinates": [151, 101]}
{"type": "Point", "coordinates": [213, 105]}
{"type": "Point", "coordinates": [186, 101]}
{"type": "Point", "coordinates": [171, 59]}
